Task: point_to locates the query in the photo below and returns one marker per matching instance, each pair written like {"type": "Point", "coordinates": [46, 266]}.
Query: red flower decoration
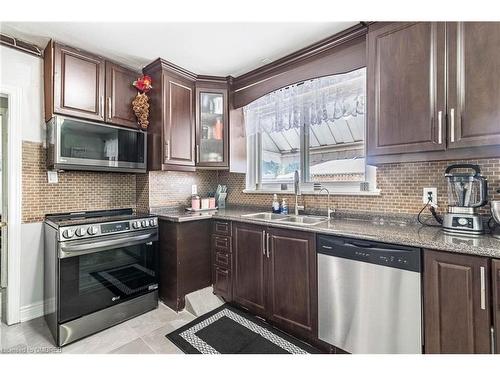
{"type": "Point", "coordinates": [143, 83]}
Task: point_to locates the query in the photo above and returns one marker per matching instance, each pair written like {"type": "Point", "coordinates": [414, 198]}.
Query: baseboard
{"type": "Point", "coordinates": [32, 311]}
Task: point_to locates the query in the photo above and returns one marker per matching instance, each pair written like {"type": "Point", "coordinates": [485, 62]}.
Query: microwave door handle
{"type": "Point", "coordinates": [68, 249]}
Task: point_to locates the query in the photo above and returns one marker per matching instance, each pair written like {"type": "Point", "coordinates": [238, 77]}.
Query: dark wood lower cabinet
{"type": "Point", "coordinates": [291, 286]}
{"type": "Point", "coordinates": [249, 279]}
{"type": "Point", "coordinates": [495, 271]}
{"type": "Point", "coordinates": [275, 276]}
{"type": "Point", "coordinates": [456, 303]}
{"type": "Point", "coordinates": [184, 259]}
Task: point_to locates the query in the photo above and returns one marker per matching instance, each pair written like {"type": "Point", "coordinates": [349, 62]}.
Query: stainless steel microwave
{"type": "Point", "coordinates": [74, 144]}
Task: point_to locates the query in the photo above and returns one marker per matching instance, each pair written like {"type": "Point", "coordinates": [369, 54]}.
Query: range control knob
{"type": "Point", "coordinates": [80, 232]}
{"type": "Point", "coordinates": [145, 223]}
{"type": "Point", "coordinates": [152, 222]}
{"type": "Point", "coordinates": [136, 224]}
{"type": "Point", "coordinates": [92, 230]}
{"type": "Point", "coordinates": [68, 233]}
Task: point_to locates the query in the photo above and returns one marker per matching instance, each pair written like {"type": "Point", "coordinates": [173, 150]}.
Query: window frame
{"type": "Point", "coordinates": [254, 183]}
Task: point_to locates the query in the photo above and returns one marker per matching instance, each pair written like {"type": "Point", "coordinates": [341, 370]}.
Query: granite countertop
{"type": "Point", "coordinates": [401, 231]}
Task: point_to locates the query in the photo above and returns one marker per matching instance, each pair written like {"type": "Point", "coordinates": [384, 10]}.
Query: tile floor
{"type": "Point", "coordinates": [144, 334]}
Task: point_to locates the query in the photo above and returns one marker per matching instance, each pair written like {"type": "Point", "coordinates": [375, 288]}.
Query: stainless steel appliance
{"type": "Point", "coordinates": [100, 269]}
{"type": "Point", "coordinates": [495, 213]}
{"type": "Point", "coordinates": [369, 296]}
{"type": "Point", "coordinates": [84, 145]}
{"type": "Point", "coordinates": [466, 193]}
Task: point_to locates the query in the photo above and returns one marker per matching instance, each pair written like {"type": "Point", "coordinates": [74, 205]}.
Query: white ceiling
{"type": "Point", "coordinates": [219, 49]}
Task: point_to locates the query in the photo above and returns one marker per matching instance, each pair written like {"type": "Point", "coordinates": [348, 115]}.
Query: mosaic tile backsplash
{"type": "Point", "coordinates": [76, 190]}
{"type": "Point", "coordinates": [401, 187]}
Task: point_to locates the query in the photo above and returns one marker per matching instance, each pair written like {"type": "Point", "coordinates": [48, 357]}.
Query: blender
{"type": "Point", "coordinates": [467, 191]}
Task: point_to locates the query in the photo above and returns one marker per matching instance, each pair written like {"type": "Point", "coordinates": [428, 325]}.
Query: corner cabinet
{"type": "Point", "coordinates": [457, 303]}
{"type": "Point", "coordinates": [212, 119]}
{"type": "Point", "coordinates": [171, 132]}
{"type": "Point", "coordinates": [433, 91]}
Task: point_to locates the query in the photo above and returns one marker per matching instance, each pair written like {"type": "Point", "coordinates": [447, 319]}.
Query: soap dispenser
{"type": "Point", "coordinates": [275, 205]}
{"type": "Point", "coordinates": [284, 207]}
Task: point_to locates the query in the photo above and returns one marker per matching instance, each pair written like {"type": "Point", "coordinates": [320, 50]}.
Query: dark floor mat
{"type": "Point", "coordinates": [228, 330]}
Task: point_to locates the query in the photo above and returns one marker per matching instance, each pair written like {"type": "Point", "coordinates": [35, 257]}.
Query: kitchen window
{"type": "Point", "coordinates": [316, 127]}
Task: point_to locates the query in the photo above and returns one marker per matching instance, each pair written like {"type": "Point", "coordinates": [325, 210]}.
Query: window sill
{"type": "Point", "coordinates": [374, 193]}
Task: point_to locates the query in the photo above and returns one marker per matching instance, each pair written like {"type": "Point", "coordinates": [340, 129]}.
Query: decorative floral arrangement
{"type": "Point", "coordinates": [140, 104]}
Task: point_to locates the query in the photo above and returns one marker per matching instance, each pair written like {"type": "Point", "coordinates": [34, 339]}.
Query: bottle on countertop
{"type": "Point", "coordinates": [284, 207]}
{"type": "Point", "coordinates": [276, 205]}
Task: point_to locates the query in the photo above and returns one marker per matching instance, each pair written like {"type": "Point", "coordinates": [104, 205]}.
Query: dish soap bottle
{"type": "Point", "coordinates": [284, 207]}
{"type": "Point", "coordinates": [276, 204]}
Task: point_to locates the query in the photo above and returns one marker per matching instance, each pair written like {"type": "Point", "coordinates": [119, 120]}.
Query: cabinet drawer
{"type": "Point", "coordinates": [222, 283]}
{"type": "Point", "coordinates": [221, 243]}
{"type": "Point", "coordinates": [222, 227]}
{"type": "Point", "coordinates": [222, 259]}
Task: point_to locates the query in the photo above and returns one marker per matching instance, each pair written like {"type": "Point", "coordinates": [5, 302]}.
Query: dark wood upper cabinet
{"type": "Point", "coordinates": [433, 91]}
{"type": "Point", "coordinates": [406, 97]}
{"type": "Point", "coordinates": [171, 135]}
{"type": "Point", "coordinates": [74, 83]}
{"type": "Point", "coordinates": [119, 95]}
{"type": "Point", "coordinates": [212, 124]}
{"type": "Point", "coordinates": [473, 84]}
{"type": "Point", "coordinates": [495, 271]}
{"type": "Point", "coordinates": [456, 303]}
{"type": "Point", "coordinates": [249, 278]}
{"type": "Point", "coordinates": [292, 292]}
{"type": "Point", "coordinates": [83, 85]}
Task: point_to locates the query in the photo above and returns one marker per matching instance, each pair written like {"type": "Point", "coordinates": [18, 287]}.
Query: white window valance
{"type": "Point", "coordinates": [312, 102]}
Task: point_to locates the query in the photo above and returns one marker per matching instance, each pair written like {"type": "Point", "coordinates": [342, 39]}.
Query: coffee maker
{"type": "Point", "coordinates": [467, 191]}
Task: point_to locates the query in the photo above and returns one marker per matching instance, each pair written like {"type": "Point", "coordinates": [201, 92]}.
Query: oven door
{"type": "Point", "coordinates": [95, 274]}
{"type": "Point", "coordinates": [84, 145]}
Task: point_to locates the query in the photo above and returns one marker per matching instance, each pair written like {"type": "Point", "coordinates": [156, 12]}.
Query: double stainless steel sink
{"type": "Point", "coordinates": [289, 219]}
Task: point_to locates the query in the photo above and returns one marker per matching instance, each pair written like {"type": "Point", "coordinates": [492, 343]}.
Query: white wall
{"type": "Point", "coordinates": [25, 71]}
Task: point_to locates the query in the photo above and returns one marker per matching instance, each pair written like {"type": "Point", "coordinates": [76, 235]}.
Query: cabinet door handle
{"type": "Point", "coordinates": [168, 150]}
{"type": "Point", "coordinates": [440, 127]}
{"type": "Point", "coordinates": [492, 340]}
{"type": "Point", "coordinates": [267, 244]}
{"type": "Point", "coordinates": [483, 288]}
{"type": "Point", "coordinates": [197, 153]}
{"type": "Point", "coordinates": [452, 124]}
{"type": "Point", "coordinates": [101, 106]}
{"type": "Point", "coordinates": [109, 108]}
{"type": "Point", "coordinates": [263, 243]}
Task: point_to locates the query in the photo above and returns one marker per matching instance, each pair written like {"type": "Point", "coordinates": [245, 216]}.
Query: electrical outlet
{"type": "Point", "coordinates": [430, 192]}
{"type": "Point", "coordinates": [194, 189]}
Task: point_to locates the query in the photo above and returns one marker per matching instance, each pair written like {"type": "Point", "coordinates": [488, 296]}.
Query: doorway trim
{"type": "Point", "coordinates": [14, 202]}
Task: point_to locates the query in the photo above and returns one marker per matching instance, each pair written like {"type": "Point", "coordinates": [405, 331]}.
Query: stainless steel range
{"type": "Point", "coordinates": [100, 269]}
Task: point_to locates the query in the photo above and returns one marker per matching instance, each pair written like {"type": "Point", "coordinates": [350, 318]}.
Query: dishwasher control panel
{"type": "Point", "coordinates": [402, 257]}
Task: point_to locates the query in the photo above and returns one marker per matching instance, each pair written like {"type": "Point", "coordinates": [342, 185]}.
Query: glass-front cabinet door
{"type": "Point", "coordinates": [212, 128]}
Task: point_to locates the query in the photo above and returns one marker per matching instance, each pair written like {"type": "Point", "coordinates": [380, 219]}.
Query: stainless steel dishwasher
{"type": "Point", "coordinates": [369, 296]}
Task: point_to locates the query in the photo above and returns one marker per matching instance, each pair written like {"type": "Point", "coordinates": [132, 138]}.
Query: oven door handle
{"type": "Point", "coordinates": [76, 248]}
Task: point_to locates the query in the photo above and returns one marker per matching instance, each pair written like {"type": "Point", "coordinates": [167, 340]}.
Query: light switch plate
{"type": "Point", "coordinates": [52, 177]}
{"type": "Point", "coordinates": [194, 189]}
